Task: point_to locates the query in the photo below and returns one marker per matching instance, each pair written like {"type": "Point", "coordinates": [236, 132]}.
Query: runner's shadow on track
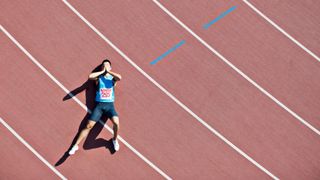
{"type": "Point", "coordinates": [90, 142]}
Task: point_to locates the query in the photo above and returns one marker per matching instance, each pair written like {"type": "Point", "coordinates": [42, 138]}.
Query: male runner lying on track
{"type": "Point", "coordinates": [106, 80]}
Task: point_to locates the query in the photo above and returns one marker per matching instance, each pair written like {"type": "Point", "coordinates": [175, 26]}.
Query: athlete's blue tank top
{"type": "Point", "coordinates": [105, 91]}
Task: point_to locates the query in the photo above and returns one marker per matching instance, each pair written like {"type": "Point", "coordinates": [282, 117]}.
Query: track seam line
{"type": "Point", "coordinates": [169, 94]}
{"type": "Point", "coordinates": [80, 103]}
{"type": "Point", "coordinates": [32, 149]}
{"type": "Point", "coordinates": [281, 30]}
{"type": "Point", "coordinates": [304, 122]}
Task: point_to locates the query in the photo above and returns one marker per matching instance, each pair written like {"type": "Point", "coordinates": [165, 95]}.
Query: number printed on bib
{"type": "Point", "coordinates": [105, 93]}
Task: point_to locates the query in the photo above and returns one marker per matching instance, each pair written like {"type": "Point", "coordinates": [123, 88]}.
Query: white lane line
{"type": "Point", "coordinates": [80, 103]}
{"type": "Point", "coordinates": [31, 149]}
{"type": "Point", "coordinates": [238, 70]}
{"type": "Point", "coordinates": [281, 30]}
{"type": "Point", "coordinates": [168, 93]}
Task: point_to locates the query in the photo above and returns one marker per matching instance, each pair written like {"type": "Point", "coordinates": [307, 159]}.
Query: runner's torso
{"type": "Point", "coordinates": [105, 91]}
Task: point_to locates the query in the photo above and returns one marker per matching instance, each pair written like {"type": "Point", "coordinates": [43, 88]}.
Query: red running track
{"type": "Point", "coordinates": [157, 127]}
{"type": "Point", "coordinates": [19, 161]}
{"type": "Point", "coordinates": [298, 18]}
{"type": "Point", "coordinates": [259, 50]}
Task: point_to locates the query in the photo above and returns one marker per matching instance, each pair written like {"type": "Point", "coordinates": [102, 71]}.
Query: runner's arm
{"type": "Point", "coordinates": [95, 75]}
{"type": "Point", "coordinates": [116, 76]}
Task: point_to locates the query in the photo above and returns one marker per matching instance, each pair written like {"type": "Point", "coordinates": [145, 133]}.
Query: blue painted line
{"type": "Point", "coordinates": [206, 26]}
{"type": "Point", "coordinates": [168, 52]}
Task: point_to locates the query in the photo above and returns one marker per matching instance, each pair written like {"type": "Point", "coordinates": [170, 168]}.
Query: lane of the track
{"type": "Point", "coordinates": [17, 161]}
{"type": "Point", "coordinates": [209, 87]}
{"type": "Point", "coordinates": [298, 18]}
{"type": "Point", "coordinates": [150, 121]}
{"type": "Point", "coordinates": [260, 51]}
{"type": "Point", "coordinates": [32, 104]}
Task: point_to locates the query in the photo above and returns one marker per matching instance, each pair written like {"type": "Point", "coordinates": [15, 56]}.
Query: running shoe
{"type": "Point", "coordinates": [116, 144]}
{"type": "Point", "coordinates": [73, 149]}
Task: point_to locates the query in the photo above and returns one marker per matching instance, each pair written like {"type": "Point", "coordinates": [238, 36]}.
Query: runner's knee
{"type": "Point", "coordinates": [116, 121]}
{"type": "Point", "coordinates": [89, 126]}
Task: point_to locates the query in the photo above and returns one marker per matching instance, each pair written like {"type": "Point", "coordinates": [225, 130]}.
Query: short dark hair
{"type": "Point", "coordinates": [106, 60]}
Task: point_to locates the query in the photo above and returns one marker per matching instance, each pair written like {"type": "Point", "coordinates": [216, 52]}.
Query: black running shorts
{"type": "Point", "coordinates": [101, 108]}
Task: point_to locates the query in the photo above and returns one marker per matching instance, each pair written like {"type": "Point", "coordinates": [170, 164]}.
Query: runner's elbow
{"type": "Point", "coordinates": [90, 77]}
{"type": "Point", "coordinates": [119, 78]}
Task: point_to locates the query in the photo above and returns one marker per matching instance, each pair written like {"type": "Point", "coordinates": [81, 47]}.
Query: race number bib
{"type": "Point", "coordinates": [106, 93]}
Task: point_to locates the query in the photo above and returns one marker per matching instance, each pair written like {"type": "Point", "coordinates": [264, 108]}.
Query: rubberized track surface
{"type": "Point", "coordinates": [178, 135]}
